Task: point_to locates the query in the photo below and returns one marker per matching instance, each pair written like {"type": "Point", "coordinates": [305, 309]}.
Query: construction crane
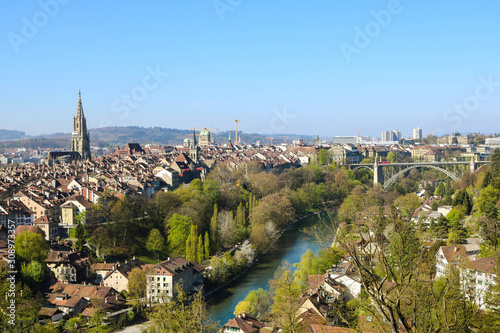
{"type": "Point", "coordinates": [271, 140]}
{"type": "Point", "coordinates": [282, 136]}
{"type": "Point", "coordinates": [236, 132]}
{"type": "Point", "coordinates": [211, 134]}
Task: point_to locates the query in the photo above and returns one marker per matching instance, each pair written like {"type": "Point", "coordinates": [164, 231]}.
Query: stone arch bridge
{"type": "Point", "coordinates": [388, 173]}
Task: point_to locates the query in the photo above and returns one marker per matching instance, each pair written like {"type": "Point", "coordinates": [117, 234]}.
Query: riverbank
{"type": "Point", "coordinates": [256, 260]}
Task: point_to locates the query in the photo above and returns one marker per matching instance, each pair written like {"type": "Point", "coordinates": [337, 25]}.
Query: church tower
{"type": "Point", "coordinates": [81, 141]}
{"type": "Point", "coordinates": [194, 150]}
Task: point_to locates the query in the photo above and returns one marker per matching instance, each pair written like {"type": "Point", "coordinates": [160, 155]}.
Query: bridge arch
{"type": "Point", "coordinates": [479, 168]}
{"type": "Point", "coordinates": [363, 167]}
{"type": "Point", "coordinates": [394, 178]}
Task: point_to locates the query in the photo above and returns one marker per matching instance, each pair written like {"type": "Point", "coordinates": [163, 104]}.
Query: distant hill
{"type": "Point", "coordinates": [11, 135]}
{"type": "Point", "coordinates": [113, 136]}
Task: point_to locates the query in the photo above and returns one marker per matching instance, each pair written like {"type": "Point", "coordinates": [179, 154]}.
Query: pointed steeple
{"type": "Point", "coordinates": [194, 143]}
{"type": "Point", "coordinates": [80, 139]}
{"type": "Point", "coordinates": [194, 150]}
{"type": "Point", "coordinates": [79, 110]}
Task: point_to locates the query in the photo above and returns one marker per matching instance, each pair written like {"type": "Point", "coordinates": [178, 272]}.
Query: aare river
{"type": "Point", "coordinates": [291, 245]}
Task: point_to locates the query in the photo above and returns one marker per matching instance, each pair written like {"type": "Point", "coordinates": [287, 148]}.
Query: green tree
{"type": "Point", "coordinates": [80, 235]}
{"type": "Point", "coordinates": [200, 252]}
{"type": "Point", "coordinates": [181, 316]}
{"type": "Point", "coordinates": [407, 205]}
{"type": "Point", "coordinates": [155, 242]}
{"type": "Point", "coordinates": [33, 273]}
{"type": "Point", "coordinates": [392, 157]}
{"type": "Point", "coordinates": [487, 179]}
{"type": "Point", "coordinates": [207, 245]}
{"type": "Point", "coordinates": [167, 202]}
{"type": "Point", "coordinates": [241, 219]}
{"type": "Point", "coordinates": [262, 184]}
{"type": "Point", "coordinates": [257, 303]}
{"type": "Point", "coordinates": [75, 324]}
{"type": "Point", "coordinates": [137, 283]}
{"type": "Point", "coordinates": [105, 204]}
{"type": "Point", "coordinates": [454, 217]}
{"type": "Point", "coordinates": [211, 190]}
{"type": "Point", "coordinates": [178, 227]}
{"type": "Point", "coordinates": [98, 315]}
{"type": "Point", "coordinates": [31, 247]}
{"type": "Point", "coordinates": [307, 266]}
{"type": "Point", "coordinates": [440, 190]}
{"type": "Point", "coordinates": [274, 207]}
{"type": "Point", "coordinates": [324, 157]}
{"type": "Point", "coordinates": [463, 199]}
{"type": "Point", "coordinates": [391, 267]}
{"type": "Point", "coordinates": [192, 244]}
{"type": "Point", "coordinates": [495, 169]}
{"type": "Point", "coordinates": [285, 294]}
{"type": "Point", "coordinates": [487, 201]}
{"type": "Point", "coordinates": [222, 268]}
{"type": "Point", "coordinates": [213, 230]}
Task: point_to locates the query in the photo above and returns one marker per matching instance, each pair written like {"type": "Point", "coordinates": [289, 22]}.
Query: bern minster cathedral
{"type": "Point", "coordinates": [80, 143]}
{"type": "Point", "coordinates": [81, 140]}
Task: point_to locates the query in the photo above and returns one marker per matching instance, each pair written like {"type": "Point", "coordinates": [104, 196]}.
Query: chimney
{"type": "Point", "coordinates": [117, 297]}
{"type": "Point", "coordinates": [106, 300]}
{"type": "Point", "coordinates": [243, 314]}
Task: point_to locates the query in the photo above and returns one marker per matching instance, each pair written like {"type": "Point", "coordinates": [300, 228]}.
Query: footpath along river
{"type": "Point", "coordinates": [291, 245]}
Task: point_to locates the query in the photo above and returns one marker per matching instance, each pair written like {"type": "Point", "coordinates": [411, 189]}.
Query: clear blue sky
{"type": "Point", "coordinates": [252, 60]}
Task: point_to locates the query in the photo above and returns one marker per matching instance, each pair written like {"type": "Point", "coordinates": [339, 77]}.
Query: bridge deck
{"type": "Point", "coordinates": [419, 163]}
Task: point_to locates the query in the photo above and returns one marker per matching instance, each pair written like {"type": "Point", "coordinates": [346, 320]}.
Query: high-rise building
{"type": "Point", "coordinates": [394, 135]}
{"type": "Point", "coordinates": [81, 140]}
{"type": "Point", "coordinates": [417, 133]}
{"type": "Point", "coordinates": [386, 136]}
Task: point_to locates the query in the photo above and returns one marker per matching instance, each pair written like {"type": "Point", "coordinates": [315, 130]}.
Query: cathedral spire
{"type": "Point", "coordinates": [79, 110]}
{"type": "Point", "coordinates": [194, 150]}
{"type": "Point", "coordinates": [194, 143]}
{"type": "Point", "coordinates": [80, 139]}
